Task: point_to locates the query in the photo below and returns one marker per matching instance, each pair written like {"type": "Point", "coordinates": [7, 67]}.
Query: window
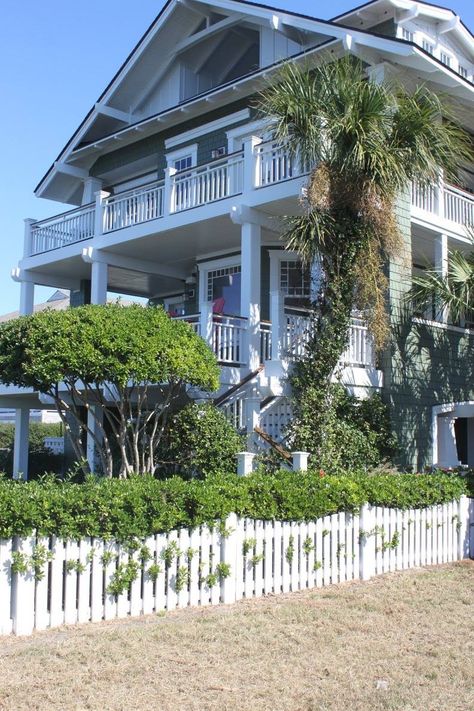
{"type": "Point", "coordinates": [183, 163]}
{"type": "Point", "coordinates": [294, 279]}
{"type": "Point", "coordinates": [407, 35]}
{"type": "Point", "coordinates": [445, 59]}
{"type": "Point", "coordinates": [223, 289]}
{"type": "Point", "coordinates": [462, 71]}
{"type": "Point", "coordinates": [428, 46]}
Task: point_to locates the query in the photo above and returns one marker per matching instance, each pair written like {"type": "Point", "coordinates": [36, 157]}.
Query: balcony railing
{"type": "Point", "coordinates": [227, 336]}
{"type": "Point", "coordinates": [444, 201]}
{"type": "Point", "coordinates": [225, 177]}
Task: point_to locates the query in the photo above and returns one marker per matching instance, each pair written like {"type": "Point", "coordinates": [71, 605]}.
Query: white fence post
{"type": "Point", "coordinates": [300, 461]}
{"type": "Point", "coordinates": [24, 590]}
{"type": "Point", "coordinates": [229, 541]}
{"type": "Point", "coordinates": [466, 528]}
{"type": "Point", "coordinates": [5, 586]}
{"type": "Point", "coordinates": [367, 542]}
{"type": "Point", "coordinates": [245, 463]}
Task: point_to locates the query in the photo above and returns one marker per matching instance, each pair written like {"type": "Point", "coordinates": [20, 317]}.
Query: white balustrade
{"type": "Point", "coordinates": [62, 230]}
{"type": "Point", "coordinates": [192, 320]}
{"type": "Point", "coordinates": [207, 183]}
{"type": "Point", "coordinates": [275, 418]}
{"type": "Point", "coordinates": [275, 164]}
{"type": "Point", "coordinates": [265, 341]}
{"type": "Point", "coordinates": [446, 201]}
{"type": "Point", "coordinates": [227, 338]}
{"type": "Point", "coordinates": [133, 207]}
{"type": "Point", "coordinates": [458, 206]}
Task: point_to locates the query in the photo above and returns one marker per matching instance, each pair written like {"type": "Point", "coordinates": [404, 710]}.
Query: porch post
{"type": "Point", "coordinates": [250, 290]}
{"type": "Point", "coordinates": [447, 450]}
{"type": "Point", "coordinates": [169, 204]}
{"type": "Point", "coordinates": [99, 273]}
{"type": "Point", "coordinates": [277, 317]}
{"type": "Point", "coordinates": [21, 443]}
{"type": "Point", "coordinates": [27, 298]}
{"type": "Point", "coordinates": [205, 323]}
{"type": "Point", "coordinates": [91, 187]}
{"type": "Point", "coordinates": [251, 176]}
{"type": "Point", "coordinates": [441, 266]}
{"type": "Point", "coordinates": [28, 237]}
{"type": "Point", "coordinates": [94, 420]}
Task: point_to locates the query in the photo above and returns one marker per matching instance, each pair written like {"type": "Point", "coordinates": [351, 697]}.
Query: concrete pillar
{"type": "Point", "coordinates": [441, 266]}
{"type": "Point", "coordinates": [21, 443]}
{"type": "Point", "coordinates": [99, 272]}
{"type": "Point", "coordinates": [94, 422]}
{"type": "Point", "coordinates": [251, 238]}
{"type": "Point", "coordinates": [27, 298]}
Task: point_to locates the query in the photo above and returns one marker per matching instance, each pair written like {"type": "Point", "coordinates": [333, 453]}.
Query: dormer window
{"type": "Point", "coordinates": [407, 35]}
{"type": "Point", "coordinates": [428, 46]}
{"type": "Point", "coordinates": [462, 71]}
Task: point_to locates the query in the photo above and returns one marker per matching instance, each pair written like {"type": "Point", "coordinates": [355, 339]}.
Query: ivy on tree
{"type": "Point", "coordinates": [125, 366]}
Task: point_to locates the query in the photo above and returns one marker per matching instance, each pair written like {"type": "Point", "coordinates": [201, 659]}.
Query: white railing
{"type": "Point", "coordinates": [359, 352]}
{"type": "Point", "coordinates": [458, 206]}
{"type": "Point", "coordinates": [424, 197]}
{"type": "Point", "coordinates": [234, 410]}
{"type": "Point", "coordinates": [228, 338]}
{"type": "Point", "coordinates": [75, 583]}
{"type": "Point", "coordinates": [446, 201]}
{"type": "Point", "coordinates": [208, 183]}
{"type": "Point", "coordinates": [192, 320]}
{"type": "Point", "coordinates": [133, 207]}
{"type": "Point", "coordinates": [275, 418]}
{"type": "Point", "coordinates": [55, 444]}
{"type": "Point", "coordinates": [274, 164]}
{"type": "Point", "coordinates": [62, 230]}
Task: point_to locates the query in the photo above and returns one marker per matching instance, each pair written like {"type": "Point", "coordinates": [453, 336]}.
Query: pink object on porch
{"type": "Point", "coordinates": [218, 305]}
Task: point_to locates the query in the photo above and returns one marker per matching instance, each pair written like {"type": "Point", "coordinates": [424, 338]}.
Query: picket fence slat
{"type": "Point", "coordinates": [66, 582]}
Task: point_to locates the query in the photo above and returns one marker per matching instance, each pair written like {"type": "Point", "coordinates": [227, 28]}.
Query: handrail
{"type": "Point", "coordinates": [134, 191]}
{"type": "Point", "coordinates": [223, 158]}
{"type": "Point", "coordinates": [67, 214]}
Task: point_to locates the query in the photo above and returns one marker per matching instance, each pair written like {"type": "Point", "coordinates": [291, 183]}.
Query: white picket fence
{"type": "Point", "coordinates": [48, 582]}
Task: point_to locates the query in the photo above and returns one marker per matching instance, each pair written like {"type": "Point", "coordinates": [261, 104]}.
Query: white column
{"type": "Point", "coordinates": [91, 187]}
{"type": "Point", "coordinates": [300, 461]}
{"type": "Point", "coordinates": [28, 237]}
{"type": "Point", "coordinates": [245, 463]}
{"type": "Point", "coordinates": [447, 450]}
{"type": "Point", "coordinates": [99, 272]}
{"type": "Point", "coordinates": [441, 266]}
{"type": "Point", "coordinates": [252, 418]}
{"type": "Point", "coordinates": [205, 323]}
{"type": "Point", "coordinates": [169, 203]}
{"type": "Point", "coordinates": [250, 290]}
{"type": "Point", "coordinates": [251, 164]}
{"type": "Point", "coordinates": [27, 298]}
{"type": "Point", "coordinates": [21, 443]}
{"type": "Point", "coordinates": [100, 196]}
{"type": "Point", "coordinates": [277, 317]}
{"type": "Point", "coordinates": [94, 421]}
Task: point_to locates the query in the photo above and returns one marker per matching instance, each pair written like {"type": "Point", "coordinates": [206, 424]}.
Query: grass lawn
{"type": "Point", "coordinates": [401, 642]}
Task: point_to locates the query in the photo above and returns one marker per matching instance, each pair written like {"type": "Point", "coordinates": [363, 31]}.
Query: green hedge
{"type": "Point", "coordinates": [141, 506]}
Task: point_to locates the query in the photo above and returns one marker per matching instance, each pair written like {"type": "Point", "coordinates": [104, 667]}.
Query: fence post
{"type": "Point", "coordinates": [300, 461]}
{"type": "Point", "coordinates": [245, 463]}
{"type": "Point", "coordinates": [5, 586]}
{"type": "Point", "coordinates": [466, 528]}
{"type": "Point", "coordinates": [23, 590]}
{"type": "Point", "coordinates": [229, 540]}
{"type": "Point", "coordinates": [367, 542]}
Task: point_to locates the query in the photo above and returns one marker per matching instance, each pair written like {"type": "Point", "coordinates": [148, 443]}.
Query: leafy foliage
{"type": "Point", "coordinates": [363, 143]}
{"type": "Point", "coordinates": [135, 508]}
{"type": "Point", "coordinates": [131, 363]}
{"type": "Point", "coordinates": [199, 441]}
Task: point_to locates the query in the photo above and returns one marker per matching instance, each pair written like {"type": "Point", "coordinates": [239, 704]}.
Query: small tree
{"type": "Point", "coordinates": [125, 366]}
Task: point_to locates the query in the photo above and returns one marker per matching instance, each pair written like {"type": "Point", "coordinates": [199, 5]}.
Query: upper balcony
{"type": "Point", "coordinates": [262, 165]}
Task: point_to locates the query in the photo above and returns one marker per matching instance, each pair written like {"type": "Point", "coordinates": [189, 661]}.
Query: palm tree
{"type": "Point", "coordinates": [364, 142]}
{"type": "Point", "coordinates": [452, 293]}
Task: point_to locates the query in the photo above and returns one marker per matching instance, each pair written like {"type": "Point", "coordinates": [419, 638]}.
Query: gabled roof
{"type": "Point", "coordinates": [177, 24]}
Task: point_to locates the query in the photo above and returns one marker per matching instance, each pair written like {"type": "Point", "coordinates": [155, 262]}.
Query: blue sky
{"type": "Point", "coordinates": [56, 57]}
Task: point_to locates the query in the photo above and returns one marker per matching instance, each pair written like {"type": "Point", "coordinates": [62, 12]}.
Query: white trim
{"type": "Point", "coordinates": [276, 257]}
{"type": "Point", "coordinates": [181, 153]}
{"type": "Point", "coordinates": [211, 265]}
{"type": "Point", "coordinates": [235, 135]}
{"type": "Point", "coordinates": [444, 326]}
{"type": "Point", "coordinates": [207, 128]}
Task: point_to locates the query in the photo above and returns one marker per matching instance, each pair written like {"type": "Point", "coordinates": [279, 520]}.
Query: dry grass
{"type": "Point", "coordinates": [401, 642]}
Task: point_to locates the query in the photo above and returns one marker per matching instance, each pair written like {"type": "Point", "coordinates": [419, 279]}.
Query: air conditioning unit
{"type": "Point", "coordinates": [218, 152]}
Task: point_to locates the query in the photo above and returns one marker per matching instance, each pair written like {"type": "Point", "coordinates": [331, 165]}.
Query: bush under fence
{"type": "Point", "coordinates": [48, 581]}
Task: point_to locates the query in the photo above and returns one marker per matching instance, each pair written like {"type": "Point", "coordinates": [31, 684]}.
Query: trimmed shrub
{"type": "Point", "coordinates": [142, 505]}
